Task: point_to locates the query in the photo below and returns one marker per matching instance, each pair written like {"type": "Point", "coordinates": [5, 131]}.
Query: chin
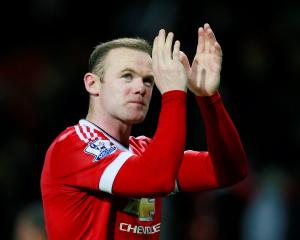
{"type": "Point", "coordinates": [136, 119]}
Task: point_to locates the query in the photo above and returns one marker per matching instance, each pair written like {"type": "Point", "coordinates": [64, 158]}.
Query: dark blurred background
{"type": "Point", "coordinates": [45, 45]}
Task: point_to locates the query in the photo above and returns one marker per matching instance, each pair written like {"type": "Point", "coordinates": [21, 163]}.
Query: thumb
{"type": "Point", "coordinates": [185, 61]}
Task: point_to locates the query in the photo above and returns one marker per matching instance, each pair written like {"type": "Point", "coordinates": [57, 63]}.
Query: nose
{"type": "Point", "coordinates": [140, 87]}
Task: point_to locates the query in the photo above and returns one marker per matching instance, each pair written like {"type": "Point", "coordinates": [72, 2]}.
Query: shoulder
{"type": "Point", "coordinates": [74, 138]}
{"type": "Point", "coordinates": [78, 147]}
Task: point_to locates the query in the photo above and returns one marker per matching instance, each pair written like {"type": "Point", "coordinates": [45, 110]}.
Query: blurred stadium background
{"type": "Point", "coordinates": [45, 45]}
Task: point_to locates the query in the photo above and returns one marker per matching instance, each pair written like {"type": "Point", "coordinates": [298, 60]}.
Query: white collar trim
{"type": "Point", "coordinates": [116, 143]}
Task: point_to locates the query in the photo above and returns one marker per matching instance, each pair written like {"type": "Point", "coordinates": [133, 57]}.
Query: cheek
{"type": "Point", "coordinates": [126, 91]}
{"type": "Point", "coordinates": [117, 92]}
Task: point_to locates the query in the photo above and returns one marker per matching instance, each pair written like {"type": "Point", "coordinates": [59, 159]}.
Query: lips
{"type": "Point", "coordinates": [138, 102]}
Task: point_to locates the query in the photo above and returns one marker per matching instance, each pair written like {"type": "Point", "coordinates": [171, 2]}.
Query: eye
{"type": "Point", "coordinates": [148, 81]}
{"type": "Point", "coordinates": [127, 76]}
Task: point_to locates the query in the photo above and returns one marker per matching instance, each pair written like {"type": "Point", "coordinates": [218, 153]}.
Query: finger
{"type": "Point", "coordinates": [206, 26]}
{"type": "Point", "coordinates": [209, 38]}
{"type": "Point", "coordinates": [161, 43]}
{"type": "Point", "coordinates": [176, 50]}
{"type": "Point", "coordinates": [168, 46]}
{"type": "Point", "coordinates": [154, 51]}
{"type": "Point", "coordinates": [201, 42]}
{"type": "Point", "coordinates": [217, 49]}
{"type": "Point", "coordinates": [211, 34]}
{"type": "Point", "coordinates": [185, 61]}
{"type": "Point", "coordinates": [154, 47]}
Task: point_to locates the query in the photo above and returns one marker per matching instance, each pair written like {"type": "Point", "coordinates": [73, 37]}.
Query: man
{"type": "Point", "coordinates": [98, 182]}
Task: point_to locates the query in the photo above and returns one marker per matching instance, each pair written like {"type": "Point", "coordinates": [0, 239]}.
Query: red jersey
{"type": "Point", "coordinates": [83, 161]}
{"type": "Point", "coordinates": [95, 188]}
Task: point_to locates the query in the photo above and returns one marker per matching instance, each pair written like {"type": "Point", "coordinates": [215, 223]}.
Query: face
{"type": "Point", "coordinates": [126, 90]}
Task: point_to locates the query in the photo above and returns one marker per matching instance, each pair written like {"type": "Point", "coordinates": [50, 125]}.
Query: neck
{"type": "Point", "coordinates": [114, 127]}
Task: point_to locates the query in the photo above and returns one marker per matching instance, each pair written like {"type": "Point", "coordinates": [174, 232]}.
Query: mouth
{"type": "Point", "coordinates": [138, 102]}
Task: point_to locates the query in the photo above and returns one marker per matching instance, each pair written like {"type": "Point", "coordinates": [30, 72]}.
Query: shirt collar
{"type": "Point", "coordinates": [91, 125]}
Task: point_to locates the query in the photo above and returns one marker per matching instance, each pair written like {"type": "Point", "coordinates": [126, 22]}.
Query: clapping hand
{"type": "Point", "coordinates": [204, 73]}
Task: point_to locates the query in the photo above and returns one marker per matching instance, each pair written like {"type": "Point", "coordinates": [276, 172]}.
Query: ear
{"type": "Point", "coordinates": [92, 83]}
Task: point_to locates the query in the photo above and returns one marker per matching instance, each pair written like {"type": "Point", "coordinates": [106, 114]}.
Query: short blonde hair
{"type": "Point", "coordinates": [97, 57]}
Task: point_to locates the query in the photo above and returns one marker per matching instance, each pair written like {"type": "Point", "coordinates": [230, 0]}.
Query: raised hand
{"type": "Point", "coordinates": [169, 72]}
{"type": "Point", "coordinates": [204, 74]}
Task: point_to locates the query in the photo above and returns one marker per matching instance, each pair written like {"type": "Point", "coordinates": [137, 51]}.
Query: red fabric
{"type": "Point", "coordinates": [76, 209]}
{"type": "Point", "coordinates": [157, 168]}
{"type": "Point", "coordinates": [77, 206]}
{"type": "Point", "coordinates": [225, 162]}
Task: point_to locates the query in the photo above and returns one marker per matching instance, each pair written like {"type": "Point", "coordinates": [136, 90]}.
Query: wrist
{"type": "Point", "coordinates": [174, 94]}
{"type": "Point", "coordinates": [183, 89]}
{"type": "Point", "coordinates": [210, 98]}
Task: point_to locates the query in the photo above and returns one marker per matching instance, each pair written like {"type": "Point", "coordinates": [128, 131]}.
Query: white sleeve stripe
{"type": "Point", "coordinates": [111, 171]}
{"type": "Point", "coordinates": [80, 134]}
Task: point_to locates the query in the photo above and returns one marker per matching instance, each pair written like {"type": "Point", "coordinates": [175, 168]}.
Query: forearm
{"type": "Point", "coordinates": [223, 141]}
{"type": "Point", "coordinates": [154, 172]}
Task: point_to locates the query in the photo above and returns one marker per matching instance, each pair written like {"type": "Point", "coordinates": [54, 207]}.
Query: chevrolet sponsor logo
{"type": "Point", "coordinates": [138, 229]}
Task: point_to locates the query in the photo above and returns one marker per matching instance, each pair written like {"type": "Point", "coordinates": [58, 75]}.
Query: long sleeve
{"type": "Point", "coordinates": [225, 162]}
{"type": "Point", "coordinates": [155, 171]}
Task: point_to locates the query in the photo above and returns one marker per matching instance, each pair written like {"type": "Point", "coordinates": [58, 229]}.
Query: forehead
{"type": "Point", "coordinates": [121, 58]}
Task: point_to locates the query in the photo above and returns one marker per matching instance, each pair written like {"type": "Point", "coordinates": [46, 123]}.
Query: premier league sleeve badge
{"type": "Point", "coordinates": [100, 148]}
